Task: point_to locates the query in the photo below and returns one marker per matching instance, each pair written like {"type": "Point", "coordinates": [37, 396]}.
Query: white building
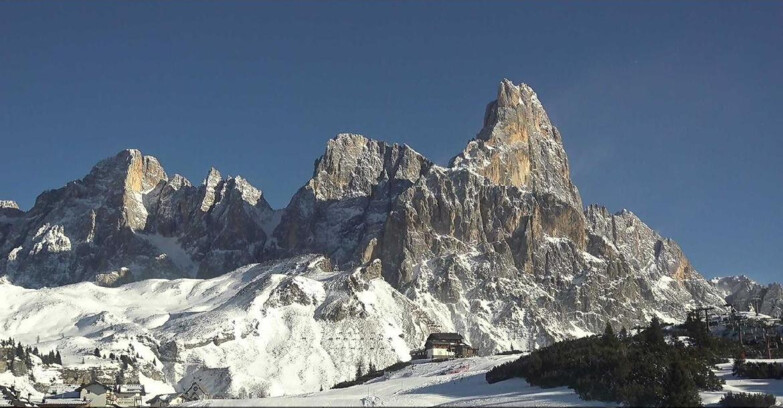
{"type": "Point", "coordinates": [96, 394]}
{"type": "Point", "coordinates": [165, 400]}
{"type": "Point", "coordinates": [129, 395]}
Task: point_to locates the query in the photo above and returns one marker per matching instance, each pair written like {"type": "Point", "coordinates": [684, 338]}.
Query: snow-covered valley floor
{"type": "Point", "coordinates": [461, 383]}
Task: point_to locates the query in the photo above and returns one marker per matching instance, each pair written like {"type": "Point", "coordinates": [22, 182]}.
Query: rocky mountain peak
{"type": "Point", "coordinates": [130, 167]}
{"type": "Point", "coordinates": [178, 181]}
{"type": "Point", "coordinates": [511, 96]}
{"type": "Point", "coordinates": [518, 146]}
{"type": "Point", "coordinates": [124, 178]}
{"type": "Point", "coordinates": [353, 164]}
{"type": "Point", "coordinates": [247, 191]}
{"type": "Point", "coordinates": [497, 246]}
{"type": "Point", "coordinates": [211, 183]}
{"type": "Point", "coordinates": [10, 209]}
{"type": "Point", "coordinates": [9, 204]}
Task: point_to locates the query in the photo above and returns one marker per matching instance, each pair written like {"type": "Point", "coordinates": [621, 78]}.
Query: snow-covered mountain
{"type": "Point", "coordinates": [745, 294]}
{"type": "Point", "coordinates": [127, 221]}
{"type": "Point", "coordinates": [380, 247]}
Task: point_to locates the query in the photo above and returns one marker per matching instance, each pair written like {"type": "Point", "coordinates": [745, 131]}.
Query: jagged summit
{"type": "Point", "coordinates": [126, 220]}
{"type": "Point", "coordinates": [130, 166]}
{"type": "Point", "coordinates": [352, 164]}
{"type": "Point", "coordinates": [518, 146]}
{"type": "Point", "coordinates": [178, 181]}
{"type": "Point", "coordinates": [9, 208]}
{"type": "Point", "coordinates": [9, 204]}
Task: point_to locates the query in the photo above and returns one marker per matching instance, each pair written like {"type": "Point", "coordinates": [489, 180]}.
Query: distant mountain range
{"type": "Point", "coordinates": [378, 249]}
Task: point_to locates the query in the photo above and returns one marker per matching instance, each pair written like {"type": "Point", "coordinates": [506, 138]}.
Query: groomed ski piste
{"type": "Point", "coordinates": [461, 383]}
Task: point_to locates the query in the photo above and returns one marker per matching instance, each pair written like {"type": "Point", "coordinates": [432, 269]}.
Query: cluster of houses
{"type": "Point", "coordinates": [439, 346]}
{"type": "Point", "coordinates": [96, 394]}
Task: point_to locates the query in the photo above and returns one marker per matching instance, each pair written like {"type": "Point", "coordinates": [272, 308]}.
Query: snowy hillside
{"type": "Point", "coordinates": [273, 329]}
{"type": "Point", "coordinates": [453, 383]}
{"type": "Point", "coordinates": [462, 383]}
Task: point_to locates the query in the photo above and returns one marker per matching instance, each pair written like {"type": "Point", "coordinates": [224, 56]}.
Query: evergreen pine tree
{"type": "Point", "coordinates": [609, 339]}
{"type": "Point", "coordinates": [623, 333]}
{"type": "Point", "coordinates": [97, 352]}
{"type": "Point", "coordinates": [653, 336]}
{"type": "Point", "coordinates": [58, 358]}
{"type": "Point", "coordinates": [680, 390]}
{"type": "Point", "coordinates": [608, 331]}
{"type": "Point", "coordinates": [739, 362]}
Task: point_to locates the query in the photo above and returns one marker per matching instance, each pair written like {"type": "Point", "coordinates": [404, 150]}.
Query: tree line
{"type": "Point", "coordinates": [24, 352]}
{"type": "Point", "coordinates": [638, 370]}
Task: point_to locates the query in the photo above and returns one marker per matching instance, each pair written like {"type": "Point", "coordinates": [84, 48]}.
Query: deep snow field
{"type": "Point", "coordinates": [461, 383]}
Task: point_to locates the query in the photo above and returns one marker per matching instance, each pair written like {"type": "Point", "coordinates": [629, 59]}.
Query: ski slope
{"type": "Point", "coordinates": [455, 383]}
{"type": "Point", "coordinates": [461, 383]}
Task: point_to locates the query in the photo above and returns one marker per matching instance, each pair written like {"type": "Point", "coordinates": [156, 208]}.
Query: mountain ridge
{"type": "Point", "coordinates": [497, 246]}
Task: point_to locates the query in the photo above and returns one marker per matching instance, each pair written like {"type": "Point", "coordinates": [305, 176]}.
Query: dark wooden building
{"type": "Point", "coordinates": [444, 346]}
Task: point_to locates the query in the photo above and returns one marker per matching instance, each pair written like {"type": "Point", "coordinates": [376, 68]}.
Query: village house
{"type": "Point", "coordinates": [64, 403]}
{"type": "Point", "coordinates": [195, 393]}
{"type": "Point", "coordinates": [63, 396]}
{"type": "Point", "coordinates": [11, 397]}
{"type": "Point", "coordinates": [128, 395]}
{"type": "Point", "coordinates": [445, 346]}
{"type": "Point", "coordinates": [165, 400]}
{"type": "Point", "coordinates": [97, 394]}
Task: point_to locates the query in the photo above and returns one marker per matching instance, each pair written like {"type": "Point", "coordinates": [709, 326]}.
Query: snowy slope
{"type": "Point", "coordinates": [462, 383]}
{"type": "Point", "coordinates": [454, 383]}
{"type": "Point", "coordinates": [277, 328]}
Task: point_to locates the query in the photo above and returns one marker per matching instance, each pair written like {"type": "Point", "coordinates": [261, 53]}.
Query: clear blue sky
{"type": "Point", "coordinates": [672, 110]}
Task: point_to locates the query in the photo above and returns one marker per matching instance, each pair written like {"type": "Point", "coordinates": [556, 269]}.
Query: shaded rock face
{"type": "Point", "coordinates": [496, 246]}
{"type": "Point", "coordinates": [342, 210]}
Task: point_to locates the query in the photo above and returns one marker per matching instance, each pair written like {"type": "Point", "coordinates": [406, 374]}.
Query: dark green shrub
{"type": "Point", "coordinates": [757, 370]}
{"type": "Point", "coordinates": [642, 370]}
{"type": "Point", "coordinates": [744, 399]}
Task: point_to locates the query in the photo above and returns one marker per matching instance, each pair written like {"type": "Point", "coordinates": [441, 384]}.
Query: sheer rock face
{"type": "Point", "coordinates": [518, 146]}
{"type": "Point", "coordinates": [496, 246]}
{"type": "Point", "coordinates": [342, 210]}
{"type": "Point", "coordinates": [498, 240]}
{"type": "Point", "coordinates": [127, 221]}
